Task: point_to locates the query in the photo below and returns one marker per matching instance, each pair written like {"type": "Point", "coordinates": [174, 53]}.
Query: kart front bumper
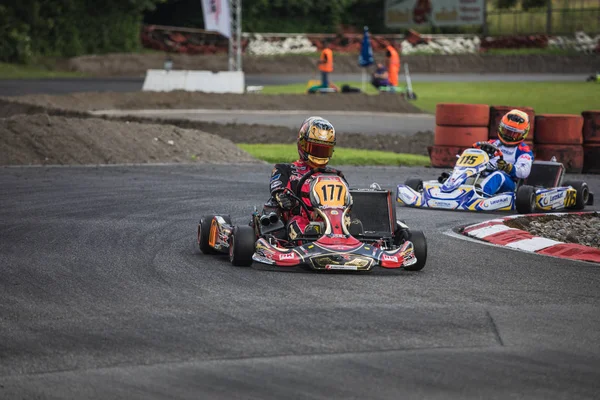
{"type": "Point", "coordinates": [362, 257]}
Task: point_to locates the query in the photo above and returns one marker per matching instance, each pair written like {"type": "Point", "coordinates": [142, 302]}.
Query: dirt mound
{"type": "Point", "coordinates": [384, 102]}
{"type": "Point", "coordinates": [44, 139]}
{"type": "Point", "coordinates": [238, 133]}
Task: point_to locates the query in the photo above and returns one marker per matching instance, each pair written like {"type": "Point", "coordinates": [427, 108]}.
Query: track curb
{"type": "Point", "coordinates": [496, 232]}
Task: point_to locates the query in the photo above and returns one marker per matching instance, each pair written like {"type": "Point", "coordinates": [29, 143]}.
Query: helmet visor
{"type": "Point", "coordinates": [511, 134]}
{"type": "Point", "coordinates": [319, 150]}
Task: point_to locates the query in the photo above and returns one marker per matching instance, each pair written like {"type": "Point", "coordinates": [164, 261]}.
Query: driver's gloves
{"type": "Point", "coordinates": [285, 201]}
{"type": "Point", "coordinates": [504, 166]}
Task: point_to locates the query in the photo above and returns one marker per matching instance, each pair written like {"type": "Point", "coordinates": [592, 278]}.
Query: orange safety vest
{"type": "Point", "coordinates": [327, 66]}
{"type": "Point", "coordinates": [393, 66]}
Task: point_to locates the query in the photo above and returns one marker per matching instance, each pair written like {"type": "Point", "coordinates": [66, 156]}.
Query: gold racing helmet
{"type": "Point", "coordinates": [316, 141]}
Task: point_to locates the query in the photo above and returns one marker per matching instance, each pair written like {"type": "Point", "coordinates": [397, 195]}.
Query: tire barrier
{"type": "Point", "coordinates": [444, 156]}
{"type": "Point", "coordinates": [573, 139]}
{"type": "Point", "coordinates": [591, 127]}
{"type": "Point", "coordinates": [570, 155]}
{"type": "Point", "coordinates": [558, 129]}
{"type": "Point", "coordinates": [456, 114]}
{"type": "Point", "coordinates": [459, 136]}
{"type": "Point", "coordinates": [591, 159]}
{"type": "Point", "coordinates": [496, 114]}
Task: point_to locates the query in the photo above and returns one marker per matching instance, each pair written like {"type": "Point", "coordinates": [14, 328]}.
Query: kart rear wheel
{"type": "Point", "coordinates": [415, 184]}
{"type": "Point", "coordinates": [525, 200]}
{"type": "Point", "coordinates": [203, 234]}
{"type": "Point", "coordinates": [241, 246]}
{"type": "Point", "coordinates": [583, 193]}
{"type": "Point", "coordinates": [420, 247]}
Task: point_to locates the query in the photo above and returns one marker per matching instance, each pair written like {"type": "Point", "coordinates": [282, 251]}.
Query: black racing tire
{"type": "Point", "coordinates": [583, 194]}
{"type": "Point", "coordinates": [420, 247]}
{"type": "Point", "coordinates": [203, 233]}
{"type": "Point", "coordinates": [415, 184]}
{"type": "Point", "coordinates": [401, 235]}
{"type": "Point", "coordinates": [525, 199]}
{"type": "Point", "coordinates": [241, 246]}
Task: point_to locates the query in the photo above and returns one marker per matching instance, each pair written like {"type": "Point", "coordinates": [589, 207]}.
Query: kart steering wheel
{"type": "Point", "coordinates": [492, 150]}
{"type": "Point", "coordinates": [310, 173]}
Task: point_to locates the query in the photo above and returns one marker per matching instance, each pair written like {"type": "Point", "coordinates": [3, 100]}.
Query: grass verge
{"type": "Point", "coordinates": [18, 71]}
{"type": "Point", "coordinates": [544, 97]}
{"type": "Point", "coordinates": [279, 153]}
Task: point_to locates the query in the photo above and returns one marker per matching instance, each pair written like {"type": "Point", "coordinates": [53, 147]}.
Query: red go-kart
{"type": "Point", "coordinates": [350, 230]}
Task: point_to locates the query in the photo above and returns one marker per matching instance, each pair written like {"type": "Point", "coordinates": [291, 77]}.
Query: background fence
{"type": "Point", "coordinates": [563, 17]}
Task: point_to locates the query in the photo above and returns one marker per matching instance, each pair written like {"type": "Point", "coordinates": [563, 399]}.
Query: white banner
{"type": "Point", "coordinates": [407, 13]}
{"type": "Point", "coordinates": [217, 16]}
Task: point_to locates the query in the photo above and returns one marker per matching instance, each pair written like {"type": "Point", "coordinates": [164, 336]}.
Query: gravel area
{"type": "Point", "coordinates": [582, 229]}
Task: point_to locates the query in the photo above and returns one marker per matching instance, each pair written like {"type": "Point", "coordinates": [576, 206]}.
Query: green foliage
{"type": "Point", "coordinates": [311, 16]}
{"type": "Point", "coordinates": [528, 4]}
{"type": "Point", "coordinates": [67, 28]}
{"type": "Point", "coordinates": [525, 4]}
{"type": "Point", "coordinates": [506, 3]}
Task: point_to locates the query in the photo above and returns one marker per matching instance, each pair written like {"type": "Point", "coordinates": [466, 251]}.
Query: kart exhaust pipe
{"type": "Point", "coordinates": [267, 220]}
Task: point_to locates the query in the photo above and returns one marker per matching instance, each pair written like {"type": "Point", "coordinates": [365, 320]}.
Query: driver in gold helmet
{"type": "Point", "coordinates": [316, 141]}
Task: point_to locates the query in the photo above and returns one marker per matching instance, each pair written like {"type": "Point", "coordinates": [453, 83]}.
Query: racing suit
{"type": "Point", "coordinates": [520, 156]}
{"type": "Point", "coordinates": [287, 176]}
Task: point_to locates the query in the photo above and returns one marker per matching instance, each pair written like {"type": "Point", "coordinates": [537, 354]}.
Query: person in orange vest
{"type": "Point", "coordinates": [393, 64]}
{"type": "Point", "coordinates": [326, 64]}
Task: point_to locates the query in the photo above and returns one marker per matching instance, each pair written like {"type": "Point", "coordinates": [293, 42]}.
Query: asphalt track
{"type": "Point", "coordinates": [103, 295]}
{"type": "Point", "coordinates": [17, 87]}
{"type": "Point", "coordinates": [344, 121]}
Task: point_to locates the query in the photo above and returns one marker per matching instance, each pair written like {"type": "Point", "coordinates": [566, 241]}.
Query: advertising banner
{"type": "Point", "coordinates": [217, 16]}
{"type": "Point", "coordinates": [411, 13]}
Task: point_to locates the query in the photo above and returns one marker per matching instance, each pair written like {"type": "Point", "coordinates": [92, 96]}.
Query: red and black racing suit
{"type": "Point", "coordinates": [288, 175]}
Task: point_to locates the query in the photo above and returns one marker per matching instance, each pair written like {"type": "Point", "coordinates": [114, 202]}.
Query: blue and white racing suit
{"type": "Point", "coordinates": [520, 156]}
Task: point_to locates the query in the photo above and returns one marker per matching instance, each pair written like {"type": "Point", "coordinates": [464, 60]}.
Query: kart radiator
{"type": "Point", "coordinates": [375, 210]}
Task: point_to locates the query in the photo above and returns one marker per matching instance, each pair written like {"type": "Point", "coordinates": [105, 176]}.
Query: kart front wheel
{"type": "Point", "coordinates": [583, 194]}
{"type": "Point", "coordinates": [241, 246]}
{"type": "Point", "coordinates": [415, 184]}
{"type": "Point", "coordinates": [525, 200]}
{"type": "Point", "coordinates": [204, 233]}
{"type": "Point", "coordinates": [420, 248]}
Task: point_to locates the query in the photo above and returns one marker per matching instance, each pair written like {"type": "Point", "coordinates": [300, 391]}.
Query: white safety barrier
{"type": "Point", "coordinates": [159, 80]}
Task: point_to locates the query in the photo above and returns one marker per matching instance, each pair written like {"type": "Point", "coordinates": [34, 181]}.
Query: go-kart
{"type": "Point", "coordinates": [350, 230]}
{"type": "Point", "coordinates": [543, 190]}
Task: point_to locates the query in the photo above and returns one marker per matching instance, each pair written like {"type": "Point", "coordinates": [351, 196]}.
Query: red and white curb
{"type": "Point", "coordinates": [496, 232]}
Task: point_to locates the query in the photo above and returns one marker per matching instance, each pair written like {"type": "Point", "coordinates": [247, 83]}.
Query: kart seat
{"type": "Point", "coordinates": [546, 174]}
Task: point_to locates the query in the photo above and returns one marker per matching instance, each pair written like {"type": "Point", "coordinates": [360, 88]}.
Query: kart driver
{"type": "Point", "coordinates": [517, 159]}
{"type": "Point", "coordinates": [316, 140]}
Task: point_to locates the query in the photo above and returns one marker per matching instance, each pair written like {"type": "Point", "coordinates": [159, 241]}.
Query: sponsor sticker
{"type": "Point", "coordinates": [341, 267]}
{"type": "Point", "coordinates": [275, 177]}
{"type": "Point", "coordinates": [288, 256]}
{"type": "Point", "coordinates": [386, 257]}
